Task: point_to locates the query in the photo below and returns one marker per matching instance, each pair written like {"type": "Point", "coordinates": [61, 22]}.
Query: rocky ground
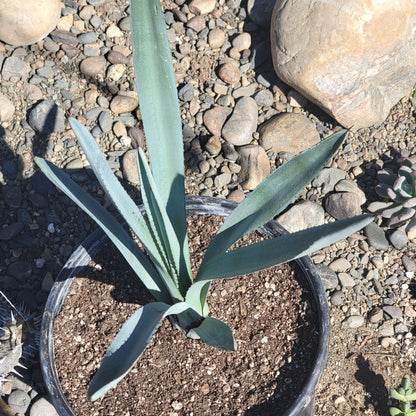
{"type": "Point", "coordinates": [222, 61]}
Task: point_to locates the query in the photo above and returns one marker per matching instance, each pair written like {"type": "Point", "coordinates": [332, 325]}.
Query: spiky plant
{"type": "Point", "coordinates": [399, 193]}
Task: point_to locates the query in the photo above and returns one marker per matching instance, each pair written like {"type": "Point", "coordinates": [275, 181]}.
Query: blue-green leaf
{"type": "Point", "coordinates": [216, 333]}
{"type": "Point", "coordinates": [274, 194]}
{"type": "Point", "coordinates": [278, 250]}
{"type": "Point", "coordinates": [162, 227]}
{"type": "Point", "coordinates": [159, 108]}
{"type": "Point", "coordinates": [129, 344]}
{"type": "Point", "coordinates": [127, 247]}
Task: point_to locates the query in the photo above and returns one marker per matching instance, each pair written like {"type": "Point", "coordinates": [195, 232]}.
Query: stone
{"type": "Point", "coordinates": [393, 312]}
{"type": "Point", "coordinates": [222, 180]}
{"type": "Point", "coordinates": [6, 109]}
{"type": "Point", "coordinates": [19, 401]}
{"type": "Point", "coordinates": [42, 407]}
{"type": "Point", "coordinates": [328, 276]}
{"type": "Point", "coordinates": [346, 280]}
{"type": "Point", "coordinates": [398, 238]}
{"type": "Point", "coordinates": [23, 22]}
{"type": "Point", "coordinates": [337, 298]}
{"type": "Point", "coordinates": [352, 322]}
{"type": "Point", "coordinates": [376, 236]}
{"type": "Point", "coordinates": [255, 166]}
{"type": "Point", "coordinates": [129, 167]}
{"type": "Point", "coordinates": [46, 117]}
{"type": "Point", "coordinates": [10, 231]}
{"type": "Point", "coordinates": [12, 196]}
{"type": "Point", "coordinates": [386, 329]}
{"type": "Point", "coordinates": [229, 73]}
{"type": "Point", "coordinates": [93, 66]}
{"type": "Point", "coordinates": [342, 205]}
{"type": "Point", "coordinates": [216, 38]}
{"type": "Point", "coordinates": [15, 67]}
{"type": "Point", "coordinates": [340, 265]}
{"type": "Point", "coordinates": [327, 178]}
{"type": "Point", "coordinates": [213, 145]}
{"type": "Point", "coordinates": [304, 214]}
{"type": "Point", "coordinates": [196, 23]}
{"type": "Point", "coordinates": [296, 100]}
{"type": "Point", "coordinates": [202, 6]}
{"type": "Point", "coordinates": [409, 264]}
{"type": "Point", "coordinates": [236, 196]}
{"type": "Point", "coordinates": [288, 132]}
{"type": "Point", "coordinates": [367, 55]}
{"type": "Point", "coordinates": [124, 102]}
{"type": "Point", "coordinates": [347, 185]}
{"type": "Point", "coordinates": [242, 41]}
{"type": "Point", "coordinates": [214, 120]}
{"type": "Point", "coordinates": [116, 71]}
{"type": "Point", "coordinates": [375, 316]}
{"type": "Point", "coordinates": [239, 128]}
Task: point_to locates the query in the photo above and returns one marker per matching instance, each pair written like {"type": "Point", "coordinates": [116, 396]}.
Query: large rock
{"type": "Point", "coordinates": [23, 22]}
{"type": "Point", "coordinates": [353, 58]}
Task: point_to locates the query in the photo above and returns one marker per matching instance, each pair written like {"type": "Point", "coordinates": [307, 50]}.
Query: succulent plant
{"type": "Point", "coordinates": [399, 191]}
{"type": "Point", "coordinates": [405, 395]}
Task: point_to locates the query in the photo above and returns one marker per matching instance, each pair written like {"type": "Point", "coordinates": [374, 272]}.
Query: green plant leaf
{"type": "Point", "coordinates": [159, 108]}
{"type": "Point", "coordinates": [129, 344]}
{"type": "Point", "coordinates": [394, 411]}
{"type": "Point", "coordinates": [162, 227]}
{"type": "Point", "coordinates": [396, 395]}
{"type": "Point", "coordinates": [278, 250]}
{"type": "Point", "coordinates": [117, 194]}
{"type": "Point", "coordinates": [118, 235]}
{"type": "Point", "coordinates": [274, 194]}
{"type": "Point", "coordinates": [216, 333]}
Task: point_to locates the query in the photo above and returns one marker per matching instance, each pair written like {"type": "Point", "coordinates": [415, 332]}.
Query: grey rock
{"type": "Point", "coordinates": [222, 180]}
{"type": "Point", "coordinates": [105, 121]}
{"type": "Point", "coordinates": [401, 328]}
{"type": "Point", "coordinates": [10, 231]}
{"type": "Point", "coordinates": [346, 280]}
{"type": "Point", "coordinates": [239, 128]}
{"type": "Point", "coordinates": [376, 236]}
{"type": "Point", "coordinates": [247, 91]}
{"type": "Point", "coordinates": [47, 118]}
{"type": "Point", "coordinates": [352, 322]}
{"type": "Point", "coordinates": [328, 276]}
{"type": "Point", "coordinates": [42, 407]}
{"type": "Point", "coordinates": [19, 401]}
{"type": "Point", "coordinates": [15, 67]}
{"type": "Point", "coordinates": [399, 239]}
{"type": "Point", "coordinates": [65, 37]}
{"type": "Point", "coordinates": [327, 178]}
{"type": "Point", "coordinates": [409, 264]}
{"type": "Point", "coordinates": [337, 298]}
{"type": "Point", "coordinates": [93, 66]}
{"type": "Point", "coordinates": [342, 205]}
{"type": "Point", "coordinates": [86, 38]}
{"type": "Point", "coordinates": [340, 265]}
{"type": "Point", "coordinates": [264, 98]}
{"type": "Point", "coordinates": [393, 312]}
{"type": "Point", "coordinates": [186, 93]}
{"type": "Point", "coordinates": [304, 214]}
{"type": "Point", "coordinates": [255, 166]}
{"type": "Point", "coordinates": [386, 329]}
{"type": "Point", "coordinates": [347, 185]}
{"type": "Point", "coordinates": [229, 152]}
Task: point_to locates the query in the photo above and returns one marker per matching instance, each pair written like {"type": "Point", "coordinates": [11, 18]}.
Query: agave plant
{"type": "Point", "coordinates": [405, 395]}
{"type": "Point", "coordinates": [399, 191]}
{"type": "Point", "coordinates": [164, 267]}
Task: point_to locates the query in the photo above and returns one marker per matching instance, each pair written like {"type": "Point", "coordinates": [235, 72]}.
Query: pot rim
{"type": "Point", "coordinates": [90, 247]}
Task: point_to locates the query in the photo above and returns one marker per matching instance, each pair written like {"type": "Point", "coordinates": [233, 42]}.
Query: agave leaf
{"type": "Point", "coordinates": [159, 108]}
{"type": "Point", "coordinates": [128, 248]}
{"type": "Point", "coordinates": [216, 333]}
{"type": "Point", "coordinates": [120, 198]}
{"type": "Point", "coordinates": [274, 194]}
{"type": "Point", "coordinates": [129, 344]}
{"type": "Point", "coordinates": [278, 250]}
{"type": "Point", "coordinates": [161, 226]}
{"type": "Point", "coordinates": [197, 295]}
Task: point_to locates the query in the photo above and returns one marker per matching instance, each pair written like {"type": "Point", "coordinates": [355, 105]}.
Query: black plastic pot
{"type": "Point", "coordinates": [196, 205]}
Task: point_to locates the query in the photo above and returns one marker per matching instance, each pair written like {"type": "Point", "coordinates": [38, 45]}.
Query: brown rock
{"type": "Point", "coordinates": [23, 22]}
{"type": "Point", "coordinates": [214, 120]}
{"type": "Point", "coordinates": [6, 108]}
{"type": "Point", "coordinates": [229, 73]}
{"type": "Point", "coordinates": [124, 102]}
{"type": "Point", "coordinates": [129, 167]}
{"type": "Point", "coordinates": [216, 38]}
{"type": "Point", "coordinates": [93, 66]}
{"type": "Point", "coordinates": [202, 6]}
{"type": "Point", "coordinates": [197, 23]}
{"type": "Point", "coordinates": [355, 66]}
{"type": "Point", "coordinates": [288, 132]}
{"type": "Point", "coordinates": [213, 146]}
{"type": "Point", "coordinates": [255, 166]}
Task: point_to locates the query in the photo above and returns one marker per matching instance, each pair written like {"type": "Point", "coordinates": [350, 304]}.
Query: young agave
{"type": "Point", "coordinates": [399, 191]}
{"type": "Point", "coordinates": [165, 270]}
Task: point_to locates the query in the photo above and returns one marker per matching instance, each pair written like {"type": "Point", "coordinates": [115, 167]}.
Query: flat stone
{"type": "Point", "coordinates": [342, 205]}
{"type": "Point", "coordinates": [340, 265]}
{"type": "Point", "coordinates": [393, 312]}
{"type": "Point", "coordinates": [288, 132]}
{"type": "Point", "coordinates": [229, 73]}
{"type": "Point", "coordinates": [398, 238]}
{"type": "Point", "coordinates": [19, 401]}
{"type": "Point", "coordinates": [375, 316]}
{"type": "Point", "coordinates": [255, 166]}
{"type": "Point", "coordinates": [327, 178]}
{"type": "Point", "coordinates": [214, 120]}
{"type": "Point", "coordinates": [236, 196]}
{"type": "Point", "coordinates": [386, 329]}
{"type": "Point", "coordinates": [242, 41]}
{"type": "Point", "coordinates": [93, 66]}
{"type": "Point", "coordinates": [337, 298]}
{"type": "Point", "coordinates": [346, 280]}
{"type": "Point", "coordinates": [6, 109]}
{"type": "Point", "coordinates": [46, 117]}
{"type": "Point", "coordinates": [213, 145]}
{"type": "Point", "coordinates": [15, 67]}
{"type": "Point", "coordinates": [348, 185]}
{"type": "Point", "coordinates": [124, 102]}
{"type": "Point", "coordinates": [304, 214]}
{"type": "Point", "coordinates": [20, 269]}
{"type": "Point", "coordinates": [239, 128]}
{"type": "Point", "coordinates": [202, 6]}
{"type": "Point", "coordinates": [222, 180]}
{"type": "Point", "coordinates": [42, 407]}
{"type": "Point", "coordinates": [196, 23]}
{"type": "Point", "coordinates": [352, 322]}
{"type": "Point", "coordinates": [409, 264]}
{"type": "Point", "coordinates": [10, 231]}
{"type": "Point", "coordinates": [328, 277]}
{"type": "Point", "coordinates": [376, 236]}
{"type": "Point", "coordinates": [367, 55]}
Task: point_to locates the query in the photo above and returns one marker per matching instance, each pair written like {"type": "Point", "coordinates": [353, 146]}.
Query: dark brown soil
{"type": "Point", "coordinates": [269, 312]}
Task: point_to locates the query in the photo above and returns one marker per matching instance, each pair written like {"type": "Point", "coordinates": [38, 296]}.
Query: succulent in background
{"type": "Point", "coordinates": [399, 191]}
{"type": "Point", "coordinates": [405, 395]}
